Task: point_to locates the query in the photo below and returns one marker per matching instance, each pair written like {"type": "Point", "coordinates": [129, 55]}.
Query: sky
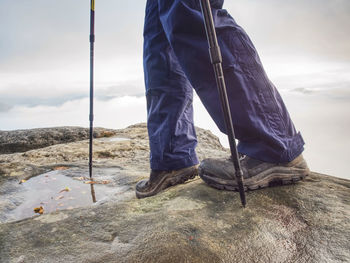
{"type": "Point", "coordinates": [44, 66]}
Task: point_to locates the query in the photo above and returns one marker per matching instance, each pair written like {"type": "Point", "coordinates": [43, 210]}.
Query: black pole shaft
{"type": "Point", "coordinates": [91, 116]}
{"type": "Point", "coordinates": [216, 61]}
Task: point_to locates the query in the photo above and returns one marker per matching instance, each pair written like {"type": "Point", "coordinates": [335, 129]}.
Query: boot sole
{"type": "Point", "coordinates": [274, 176]}
{"type": "Point", "coordinates": [170, 180]}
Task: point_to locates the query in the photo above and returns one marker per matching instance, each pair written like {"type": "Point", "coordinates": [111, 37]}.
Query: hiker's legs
{"type": "Point", "coordinates": [169, 95]}
{"type": "Point", "coordinates": [260, 118]}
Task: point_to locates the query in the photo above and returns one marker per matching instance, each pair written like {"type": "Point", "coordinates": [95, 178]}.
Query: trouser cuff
{"type": "Point", "coordinates": [169, 165]}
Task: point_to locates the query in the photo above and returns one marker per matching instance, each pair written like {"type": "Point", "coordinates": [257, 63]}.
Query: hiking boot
{"type": "Point", "coordinates": [220, 173]}
{"type": "Point", "coordinates": [159, 180]}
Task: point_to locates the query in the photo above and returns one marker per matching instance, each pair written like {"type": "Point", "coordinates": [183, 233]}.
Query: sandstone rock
{"type": "Point", "coordinates": [305, 222]}
{"type": "Point", "coordinates": [25, 140]}
{"type": "Point", "coordinates": [108, 151]}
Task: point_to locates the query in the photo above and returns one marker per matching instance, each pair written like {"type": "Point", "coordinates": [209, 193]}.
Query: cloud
{"type": "Point", "coordinates": [324, 124]}
{"type": "Point", "coordinates": [114, 113]}
{"type": "Point", "coordinates": [40, 35]}
{"type": "Point", "coordinates": [313, 28]}
{"type": "Point", "coordinates": [55, 86]}
{"type": "Point", "coordinates": [44, 52]}
{"type": "Point", "coordinates": [4, 107]}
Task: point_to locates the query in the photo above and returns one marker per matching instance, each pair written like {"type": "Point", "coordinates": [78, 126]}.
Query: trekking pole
{"type": "Point", "coordinates": [91, 116]}
{"type": "Point", "coordinates": [216, 61]}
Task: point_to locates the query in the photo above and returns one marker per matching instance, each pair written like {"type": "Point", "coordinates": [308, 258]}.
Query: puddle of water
{"type": "Point", "coordinates": [56, 191]}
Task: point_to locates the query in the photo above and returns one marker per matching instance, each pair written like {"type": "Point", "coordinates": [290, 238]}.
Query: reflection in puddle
{"type": "Point", "coordinates": [56, 191]}
{"type": "Point", "coordinates": [93, 195]}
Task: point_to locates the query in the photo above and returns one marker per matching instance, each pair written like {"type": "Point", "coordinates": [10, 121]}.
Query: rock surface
{"type": "Point", "coordinates": [25, 140]}
{"type": "Point", "coordinates": [305, 222]}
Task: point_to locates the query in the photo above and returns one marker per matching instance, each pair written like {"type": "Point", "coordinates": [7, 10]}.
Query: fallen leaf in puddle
{"type": "Point", "coordinates": [64, 190]}
{"type": "Point", "coordinates": [78, 178]}
{"type": "Point", "coordinates": [39, 210]}
{"type": "Point", "coordinates": [97, 182]}
{"type": "Point", "coordinates": [23, 181]}
{"type": "Point", "coordinates": [82, 178]}
{"type": "Point", "coordinates": [89, 182]}
{"type": "Point", "coordinates": [59, 197]}
{"type": "Point", "coordinates": [60, 168]}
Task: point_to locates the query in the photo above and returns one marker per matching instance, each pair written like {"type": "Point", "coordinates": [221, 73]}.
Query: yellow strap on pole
{"type": "Point", "coordinates": [93, 5]}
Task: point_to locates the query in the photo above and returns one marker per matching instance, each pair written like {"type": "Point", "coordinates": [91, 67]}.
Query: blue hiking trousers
{"type": "Point", "coordinates": [176, 61]}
